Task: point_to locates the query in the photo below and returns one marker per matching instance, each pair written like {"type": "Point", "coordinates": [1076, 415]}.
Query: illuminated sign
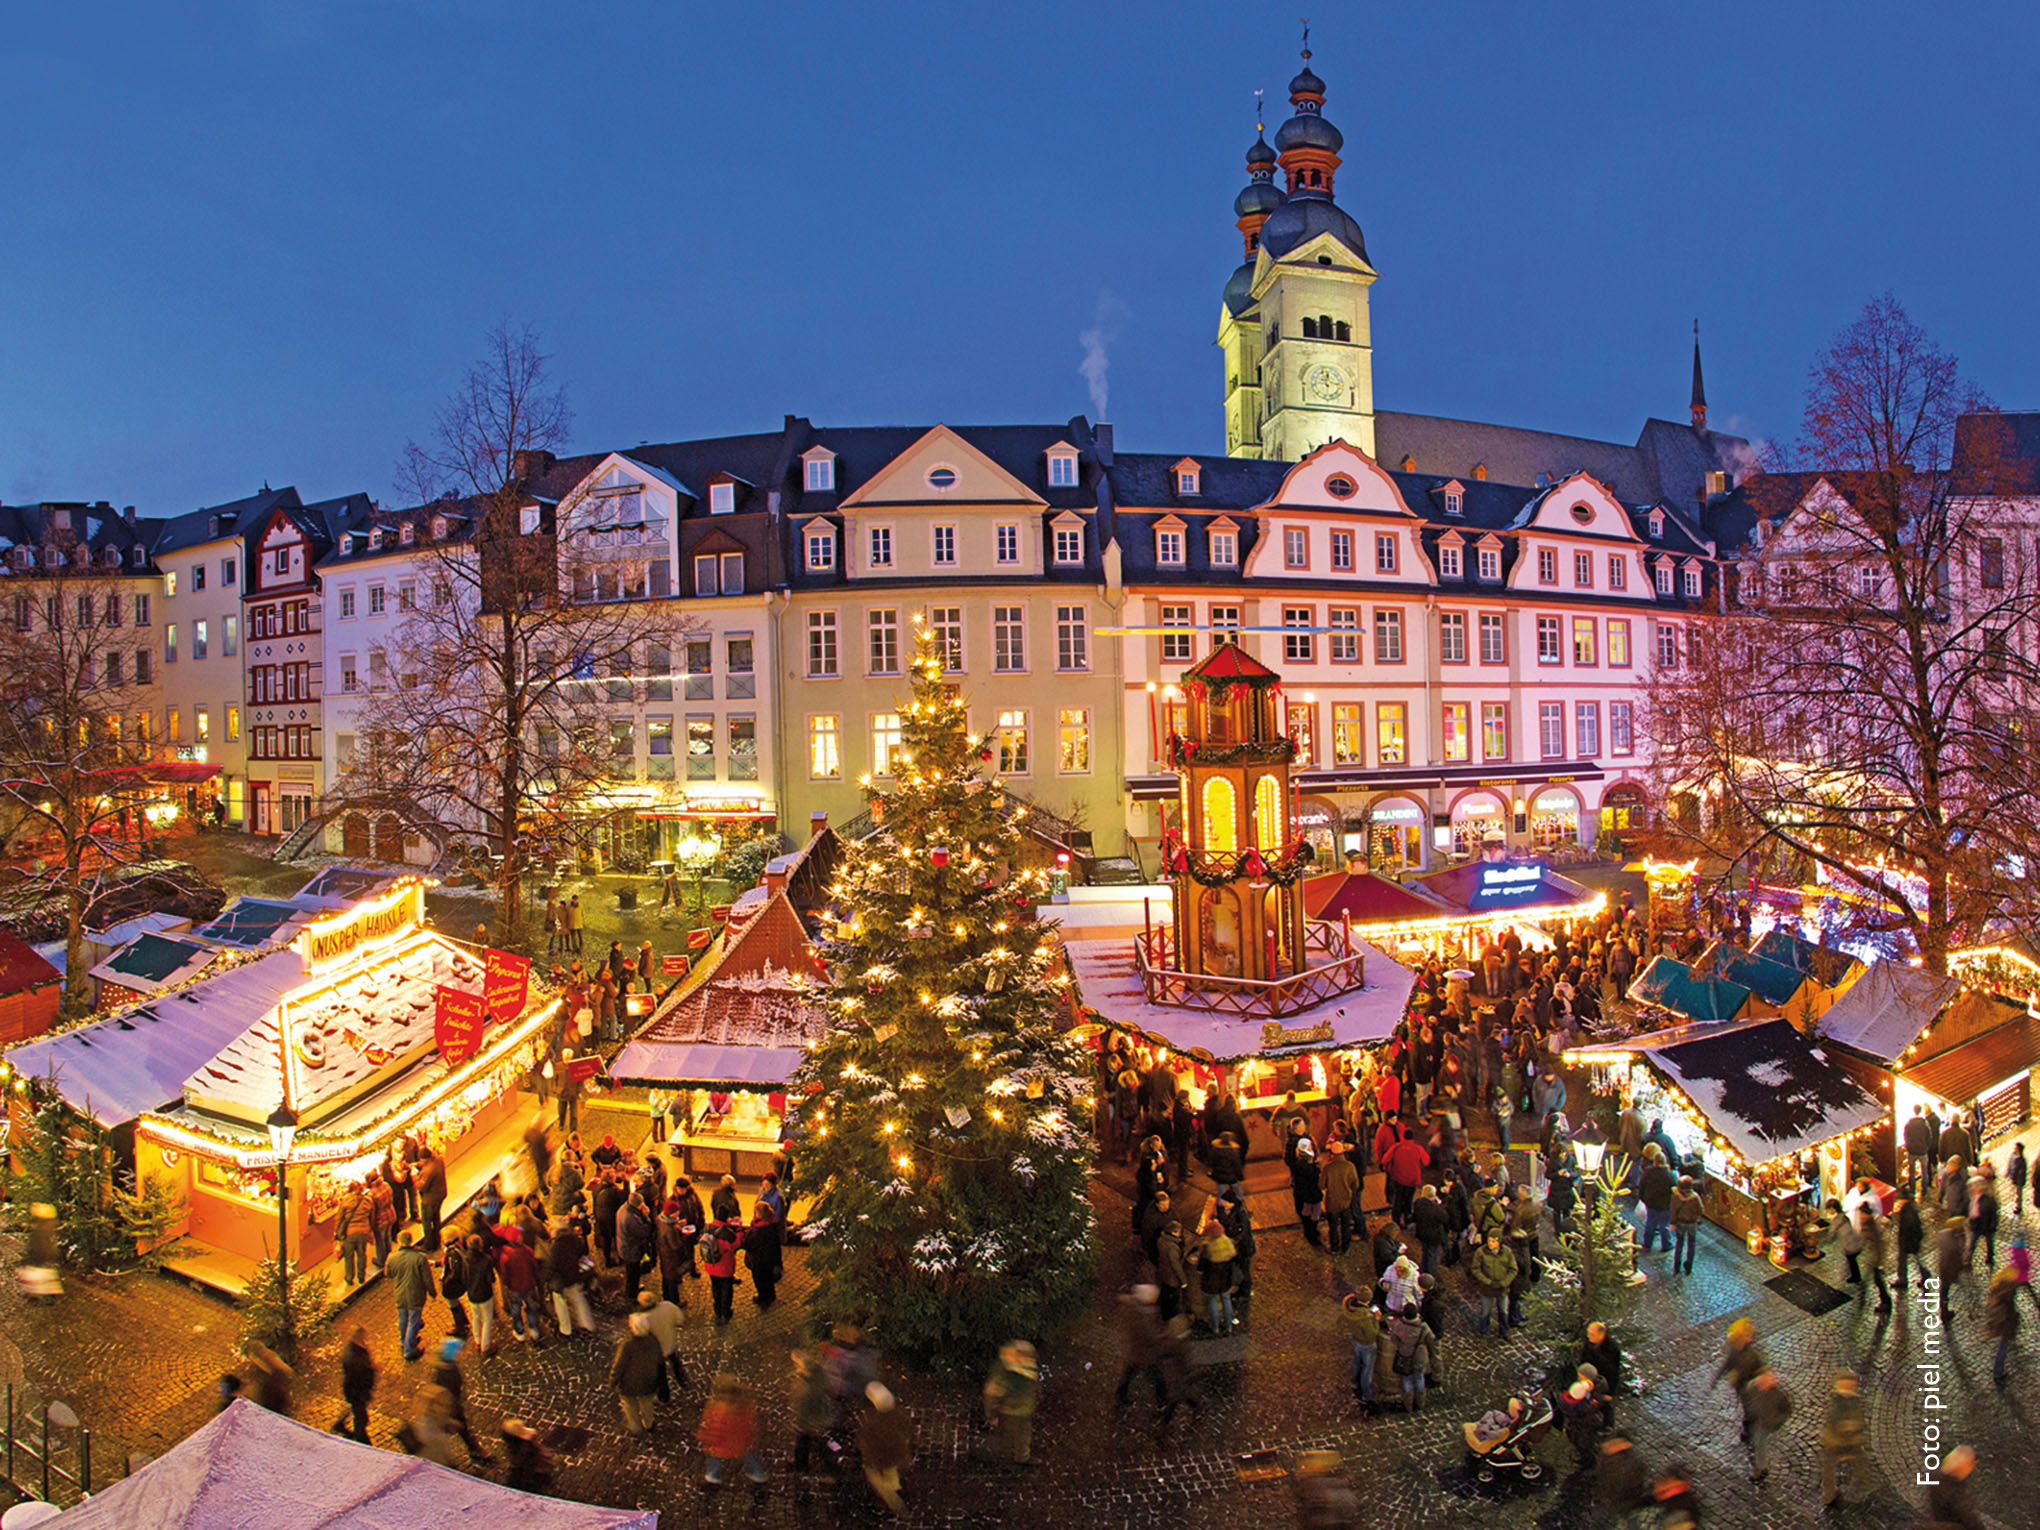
{"type": "Point", "coordinates": [1507, 884]}
{"type": "Point", "coordinates": [330, 942]}
{"type": "Point", "coordinates": [194, 753]}
{"type": "Point", "coordinates": [1400, 813]}
{"type": "Point", "coordinates": [1273, 1034]}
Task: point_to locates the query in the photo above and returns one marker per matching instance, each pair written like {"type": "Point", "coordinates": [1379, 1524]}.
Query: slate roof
{"type": "Point", "coordinates": [1766, 1089]}
{"type": "Point", "coordinates": [236, 518]}
{"type": "Point", "coordinates": [97, 526]}
{"type": "Point", "coordinates": [150, 962]}
{"type": "Point", "coordinates": [250, 922]}
{"type": "Point", "coordinates": [1997, 453]}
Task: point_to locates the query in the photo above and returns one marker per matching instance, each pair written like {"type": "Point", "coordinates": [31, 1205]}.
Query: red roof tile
{"type": "Point", "coordinates": [21, 970]}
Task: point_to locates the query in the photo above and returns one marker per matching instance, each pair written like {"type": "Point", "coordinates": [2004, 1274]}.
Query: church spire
{"type": "Point", "coordinates": [1699, 387]}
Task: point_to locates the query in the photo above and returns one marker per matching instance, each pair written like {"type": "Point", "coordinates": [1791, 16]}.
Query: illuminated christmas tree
{"type": "Point", "coordinates": [949, 1148]}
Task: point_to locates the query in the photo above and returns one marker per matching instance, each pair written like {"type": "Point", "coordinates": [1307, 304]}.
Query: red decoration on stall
{"type": "Point", "coordinates": [459, 1018]}
{"type": "Point", "coordinates": [506, 983]}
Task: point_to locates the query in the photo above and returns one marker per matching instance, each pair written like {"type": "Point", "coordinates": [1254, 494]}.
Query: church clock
{"type": "Point", "coordinates": [1324, 384]}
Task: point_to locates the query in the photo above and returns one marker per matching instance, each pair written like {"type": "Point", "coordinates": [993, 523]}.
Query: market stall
{"type": "Point", "coordinates": [1672, 985]}
{"type": "Point", "coordinates": [716, 1058]}
{"type": "Point", "coordinates": [1770, 1122]}
{"type": "Point", "coordinates": [370, 1028]}
{"type": "Point", "coordinates": [1776, 989]}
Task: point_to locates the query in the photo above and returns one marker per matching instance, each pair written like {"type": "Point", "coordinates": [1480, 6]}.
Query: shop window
{"type": "Point", "coordinates": [1391, 741]}
{"type": "Point", "coordinates": [825, 747]}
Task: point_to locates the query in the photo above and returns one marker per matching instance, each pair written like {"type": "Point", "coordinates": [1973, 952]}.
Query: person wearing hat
{"type": "Point", "coordinates": [1582, 1416]}
{"type": "Point", "coordinates": [528, 1466]}
{"type": "Point", "coordinates": [1009, 1400]}
{"type": "Point", "coordinates": [885, 1444]}
{"type": "Point", "coordinates": [446, 1375]}
{"type": "Point", "coordinates": [1341, 1186]}
{"type": "Point", "coordinates": [1215, 1279]}
{"type": "Point", "coordinates": [1686, 1210]}
{"type": "Point", "coordinates": [645, 964]}
{"type": "Point", "coordinates": [1306, 1187]}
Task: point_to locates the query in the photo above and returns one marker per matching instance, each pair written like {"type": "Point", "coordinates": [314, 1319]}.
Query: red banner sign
{"type": "Point", "coordinates": [506, 984]}
{"type": "Point", "coordinates": [696, 939]}
{"type": "Point", "coordinates": [720, 912]}
{"type": "Point", "coordinates": [581, 1069]}
{"type": "Point", "coordinates": [673, 966]}
{"type": "Point", "coordinates": [457, 1025]}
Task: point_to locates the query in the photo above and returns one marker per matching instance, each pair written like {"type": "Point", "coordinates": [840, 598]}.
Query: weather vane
{"type": "Point", "coordinates": [1306, 38]}
{"type": "Point", "coordinates": [1259, 126]}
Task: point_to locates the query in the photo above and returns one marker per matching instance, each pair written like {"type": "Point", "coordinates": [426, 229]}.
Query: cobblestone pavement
{"type": "Point", "coordinates": [139, 1356]}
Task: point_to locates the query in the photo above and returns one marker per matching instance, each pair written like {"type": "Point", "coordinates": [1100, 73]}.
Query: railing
{"type": "Point", "coordinates": [31, 1467]}
{"type": "Point", "coordinates": [1344, 971]}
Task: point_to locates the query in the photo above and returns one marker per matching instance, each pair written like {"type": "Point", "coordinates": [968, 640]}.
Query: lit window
{"type": "Point", "coordinates": [1583, 641]}
{"type": "Point", "coordinates": [1270, 822]}
{"type": "Point", "coordinates": [1457, 728]}
{"type": "Point", "coordinates": [1618, 643]}
{"type": "Point", "coordinates": [233, 724]}
{"type": "Point", "coordinates": [1349, 746]}
{"type": "Point", "coordinates": [1620, 737]}
{"type": "Point", "coordinates": [1012, 743]}
{"type": "Point", "coordinates": [1390, 738]}
{"type": "Point", "coordinates": [198, 640]}
{"type": "Point", "coordinates": [170, 585]}
{"type": "Point", "coordinates": [743, 744]}
{"type": "Point", "coordinates": [1494, 730]}
{"type": "Point", "coordinates": [1073, 740]}
{"type": "Point", "coordinates": [885, 741]}
{"type": "Point", "coordinates": [1221, 817]}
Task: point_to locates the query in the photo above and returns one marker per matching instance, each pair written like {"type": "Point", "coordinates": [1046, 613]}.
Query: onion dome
{"type": "Point", "coordinates": [1239, 290]}
{"type": "Point", "coordinates": [1306, 83]}
{"type": "Point", "coordinates": [1302, 218]}
{"type": "Point", "coordinates": [1309, 131]}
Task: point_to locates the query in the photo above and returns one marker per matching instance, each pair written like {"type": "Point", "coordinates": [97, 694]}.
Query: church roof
{"type": "Point", "coordinates": [1304, 216]}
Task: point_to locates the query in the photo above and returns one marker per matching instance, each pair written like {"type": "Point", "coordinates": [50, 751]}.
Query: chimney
{"type": "Point", "coordinates": [775, 878]}
{"type": "Point", "coordinates": [128, 515]}
{"type": "Point", "coordinates": [1101, 442]}
{"type": "Point", "coordinates": [817, 821]}
{"type": "Point", "coordinates": [531, 463]}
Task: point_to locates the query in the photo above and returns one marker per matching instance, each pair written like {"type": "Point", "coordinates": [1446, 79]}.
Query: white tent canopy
{"type": "Point", "coordinates": [248, 1468]}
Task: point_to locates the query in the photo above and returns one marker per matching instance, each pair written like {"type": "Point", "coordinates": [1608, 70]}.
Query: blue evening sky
{"type": "Point", "coordinates": [260, 240]}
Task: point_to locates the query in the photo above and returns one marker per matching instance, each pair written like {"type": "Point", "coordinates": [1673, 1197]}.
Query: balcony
{"type": "Point", "coordinates": [1340, 971]}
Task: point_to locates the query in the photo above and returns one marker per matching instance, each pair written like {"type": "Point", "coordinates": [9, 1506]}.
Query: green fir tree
{"type": "Point", "coordinates": [285, 1307]}
{"type": "Point", "coordinates": [949, 1148]}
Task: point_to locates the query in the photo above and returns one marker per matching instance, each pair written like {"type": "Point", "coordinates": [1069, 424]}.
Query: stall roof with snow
{"type": "Point", "coordinates": [1893, 1006]}
{"type": "Point", "coordinates": [150, 963]}
{"type": "Point", "coordinates": [1672, 985]}
{"type": "Point", "coordinates": [1765, 1089]}
{"type": "Point", "coordinates": [137, 1060]}
{"type": "Point", "coordinates": [748, 1019]}
{"type": "Point", "coordinates": [1366, 898]}
{"type": "Point", "coordinates": [113, 936]}
{"type": "Point", "coordinates": [339, 886]}
{"type": "Point", "coordinates": [250, 1467]}
{"type": "Point", "coordinates": [1108, 982]}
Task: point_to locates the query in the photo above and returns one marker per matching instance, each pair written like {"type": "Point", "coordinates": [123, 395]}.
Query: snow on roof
{"type": "Point", "coordinates": [1766, 1089]}
{"type": "Point", "coordinates": [1773, 982]}
{"type": "Point", "coordinates": [1108, 982]}
{"type": "Point", "coordinates": [138, 1059]}
{"type": "Point", "coordinates": [152, 962]}
{"type": "Point", "coordinates": [248, 1466]}
{"type": "Point", "coordinates": [355, 1022]}
{"type": "Point", "coordinates": [1886, 1008]}
{"type": "Point", "coordinates": [1825, 965]}
{"type": "Point", "coordinates": [142, 924]}
{"type": "Point", "coordinates": [341, 886]}
{"type": "Point", "coordinates": [1675, 986]}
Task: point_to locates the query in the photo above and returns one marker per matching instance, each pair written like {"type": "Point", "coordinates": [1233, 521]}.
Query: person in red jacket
{"type": "Point", "coordinates": [719, 1247]}
{"type": "Point", "coordinates": [1388, 1095]}
{"type": "Point", "coordinates": [1404, 1163]}
{"type": "Point", "coordinates": [518, 1273]}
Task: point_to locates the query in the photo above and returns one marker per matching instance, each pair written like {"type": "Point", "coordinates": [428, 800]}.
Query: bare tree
{"type": "Point", "coordinates": [1859, 709]}
{"type": "Point", "coordinates": [493, 723]}
{"type": "Point", "coordinates": [73, 741]}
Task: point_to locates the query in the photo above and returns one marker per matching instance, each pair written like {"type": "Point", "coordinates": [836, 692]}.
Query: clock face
{"type": "Point", "coordinates": [1323, 384]}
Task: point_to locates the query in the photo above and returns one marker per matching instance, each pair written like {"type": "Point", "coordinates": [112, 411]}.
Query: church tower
{"type": "Point", "coordinates": [1305, 301]}
{"type": "Point", "coordinates": [1239, 323]}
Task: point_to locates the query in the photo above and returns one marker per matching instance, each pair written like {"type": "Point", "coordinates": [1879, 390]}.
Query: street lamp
{"type": "Point", "coordinates": [1590, 1146]}
{"type": "Point", "coordinates": [283, 1125]}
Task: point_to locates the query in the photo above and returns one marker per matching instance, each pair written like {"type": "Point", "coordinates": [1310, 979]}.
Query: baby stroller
{"type": "Point", "coordinates": [1503, 1440]}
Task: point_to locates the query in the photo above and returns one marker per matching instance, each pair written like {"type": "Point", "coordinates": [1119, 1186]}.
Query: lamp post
{"type": "Point", "coordinates": [283, 1125]}
{"type": "Point", "coordinates": [1590, 1146]}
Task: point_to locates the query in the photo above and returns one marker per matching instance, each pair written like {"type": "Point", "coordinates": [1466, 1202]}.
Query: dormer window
{"type": "Point", "coordinates": [1455, 502]}
{"type": "Point", "coordinates": [111, 557]}
{"type": "Point", "coordinates": [1069, 544]}
{"type": "Point", "coordinates": [818, 470]}
{"type": "Point", "coordinates": [24, 557]}
{"type": "Point", "coordinates": [1062, 466]}
{"type": "Point", "coordinates": [1480, 472]}
{"type": "Point", "coordinates": [212, 525]}
{"type": "Point", "coordinates": [1222, 545]}
{"type": "Point", "coordinates": [1664, 578]}
{"type": "Point", "coordinates": [1657, 525]}
{"type": "Point", "coordinates": [407, 534]}
{"type": "Point", "coordinates": [821, 548]}
{"type": "Point", "coordinates": [1170, 543]}
{"type": "Point", "coordinates": [1448, 560]}
{"type": "Point", "coordinates": [1187, 476]}
{"type": "Point", "coordinates": [1490, 565]}
{"type": "Point", "coordinates": [137, 556]}
{"type": "Point", "coordinates": [375, 540]}
{"type": "Point", "coordinates": [1692, 583]}
{"type": "Point", "coordinates": [722, 498]}
{"type": "Point", "coordinates": [439, 528]}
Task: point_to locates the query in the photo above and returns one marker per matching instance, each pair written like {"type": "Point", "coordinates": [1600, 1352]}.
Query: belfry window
{"type": "Point", "coordinates": [1344, 330]}
{"type": "Point", "coordinates": [1310, 329]}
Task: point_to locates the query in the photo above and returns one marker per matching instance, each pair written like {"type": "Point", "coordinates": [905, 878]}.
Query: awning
{"type": "Point", "coordinates": [181, 772]}
{"type": "Point", "coordinates": [702, 1062]}
{"type": "Point", "coordinates": [723, 811]}
{"type": "Point", "coordinates": [1963, 1072]}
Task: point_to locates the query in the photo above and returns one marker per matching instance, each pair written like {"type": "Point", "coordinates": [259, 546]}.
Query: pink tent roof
{"type": "Point", "coordinates": [249, 1467]}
